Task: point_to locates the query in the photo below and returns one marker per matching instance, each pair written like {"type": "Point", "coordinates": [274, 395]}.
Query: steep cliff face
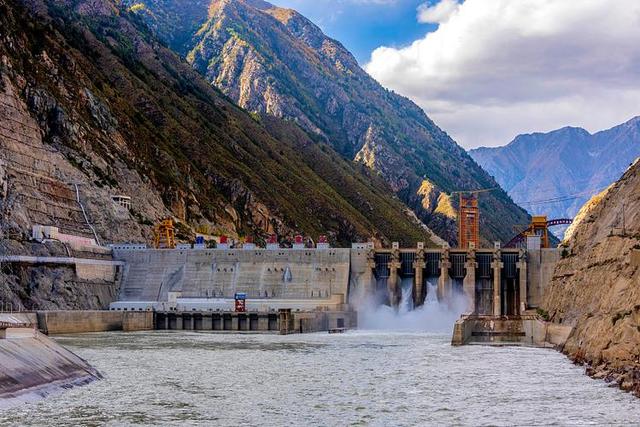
{"type": "Point", "coordinates": [274, 61]}
{"type": "Point", "coordinates": [566, 166]}
{"type": "Point", "coordinates": [92, 106]}
{"type": "Point", "coordinates": [596, 286]}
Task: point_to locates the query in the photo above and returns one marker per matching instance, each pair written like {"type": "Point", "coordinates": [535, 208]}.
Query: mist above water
{"type": "Point", "coordinates": [432, 316]}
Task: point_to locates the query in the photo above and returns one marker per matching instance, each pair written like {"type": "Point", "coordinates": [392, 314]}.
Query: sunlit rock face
{"type": "Point", "coordinates": [596, 286]}
{"type": "Point", "coordinates": [275, 61]}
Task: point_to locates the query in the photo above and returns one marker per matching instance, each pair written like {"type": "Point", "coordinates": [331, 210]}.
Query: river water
{"type": "Point", "coordinates": [357, 378]}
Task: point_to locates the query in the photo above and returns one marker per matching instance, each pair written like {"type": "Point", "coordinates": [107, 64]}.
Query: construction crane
{"type": "Point", "coordinates": [469, 217]}
{"type": "Point", "coordinates": [164, 235]}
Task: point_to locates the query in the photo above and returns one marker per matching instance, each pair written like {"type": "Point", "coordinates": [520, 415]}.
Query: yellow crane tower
{"type": "Point", "coordinates": [164, 235]}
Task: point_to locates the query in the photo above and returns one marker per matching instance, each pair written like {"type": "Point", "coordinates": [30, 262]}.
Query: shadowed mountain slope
{"type": "Point", "coordinates": [274, 61]}
{"type": "Point", "coordinates": [116, 112]}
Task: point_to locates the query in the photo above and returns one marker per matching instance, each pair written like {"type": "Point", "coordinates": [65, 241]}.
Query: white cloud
{"type": "Point", "coordinates": [438, 12]}
{"type": "Point", "coordinates": [496, 68]}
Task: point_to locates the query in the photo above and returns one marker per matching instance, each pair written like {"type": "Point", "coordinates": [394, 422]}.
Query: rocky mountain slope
{"type": "Point", "coordinates": [596, 286]}
{"type": "Point", "coordinates": [91, 106]}
{"type": "Point", "coordinates": [274, 61]}
{"type": "Point", "coordinates": [557, 165]}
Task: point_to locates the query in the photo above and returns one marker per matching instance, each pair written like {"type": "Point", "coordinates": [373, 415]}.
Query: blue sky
{"type": "Point", "coordinates": [364, 25]}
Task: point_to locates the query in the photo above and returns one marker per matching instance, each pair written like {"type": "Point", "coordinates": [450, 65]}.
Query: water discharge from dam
{"type": "Point", "coordinates": [433, 316]}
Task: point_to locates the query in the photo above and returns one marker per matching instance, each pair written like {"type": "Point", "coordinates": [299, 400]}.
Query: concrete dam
{"type": "Point", "coordinates": [307, 289]}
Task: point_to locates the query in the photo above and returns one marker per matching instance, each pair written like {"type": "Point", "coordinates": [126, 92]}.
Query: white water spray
{"type": "Point", "coordinates": [432, 316]}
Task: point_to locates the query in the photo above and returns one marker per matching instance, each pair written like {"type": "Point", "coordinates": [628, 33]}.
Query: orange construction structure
{"type": "Point", "coordinates": [539, 227]}
{"type": "Point", "coordinates": [469, 221]}
{"type": "Point", "coordinates": [164, 235]}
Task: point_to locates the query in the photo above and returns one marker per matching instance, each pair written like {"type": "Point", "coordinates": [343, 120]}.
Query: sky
{"type": "Point", "coordinates": [488, 70]}
{"type": "Point", "coordinates": [364, 25]}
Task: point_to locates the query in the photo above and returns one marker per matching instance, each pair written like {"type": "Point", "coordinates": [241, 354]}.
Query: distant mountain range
{"type": "Point", "coordinates": [275, 62]}
{"type": "Point", "coordinates": [555, 173]}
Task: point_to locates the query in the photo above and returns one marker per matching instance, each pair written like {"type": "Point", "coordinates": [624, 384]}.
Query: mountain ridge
{"type": "Point", "coordinates": [275, 61]}
{"type": "Point", "coordinates": [118, 113]}
{"type": "Point", "coordinates": [558, 171]}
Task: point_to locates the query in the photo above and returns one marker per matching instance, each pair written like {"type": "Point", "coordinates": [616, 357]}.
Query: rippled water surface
{"type": "Point", "coordinates": [376, 378]}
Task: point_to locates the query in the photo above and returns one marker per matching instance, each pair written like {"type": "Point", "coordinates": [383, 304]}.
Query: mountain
{"type": "Point", "coordinates": [555, 173]}
{"type": "Point", "coordinates": [595, 285]}
{"type": "Point", "coordinates": [92, 106]}
{"type": "Point", "coordinates": [274, 61]}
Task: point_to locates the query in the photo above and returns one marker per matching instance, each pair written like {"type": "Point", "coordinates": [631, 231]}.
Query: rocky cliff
{"type": "Point", "coordinates": [274, 61]}
{"type": "Point", "coordinates": [564, 167]}
{"type": "Point", "coordinates": [596, 285]}
{"type": "Point", "coordinates": [92, 105]}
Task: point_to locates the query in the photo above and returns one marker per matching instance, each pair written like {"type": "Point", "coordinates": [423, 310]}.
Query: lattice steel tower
{"type": "Point", "coordinates": [469, 221]}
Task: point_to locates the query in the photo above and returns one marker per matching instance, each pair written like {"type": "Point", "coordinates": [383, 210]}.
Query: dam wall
{"type": "Point", "coordinates": [499, 282]}
{"type": "Point", "coordinates": [31, 362]}
{"type": "Point", "coordinates": [319, 278]}
{"type": "Point", "coordinates": [80, 321]}
{"type": "Point", "coordinates": [541, 264]}
{"type": "Point", "coordinates": [284, 321]}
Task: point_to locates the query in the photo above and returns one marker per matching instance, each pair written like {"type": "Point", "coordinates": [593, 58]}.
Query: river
{"type": "Point", "coordinates": [360, 377]}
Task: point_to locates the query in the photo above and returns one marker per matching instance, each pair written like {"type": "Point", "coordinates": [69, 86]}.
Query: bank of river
{"type": "Point", "coordinates": [377, 378]}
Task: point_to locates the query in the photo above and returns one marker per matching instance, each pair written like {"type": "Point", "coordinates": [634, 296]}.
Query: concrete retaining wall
{"type": "Point", "coordinates": [541, 264]}
{"type": "Point", "coordinates": [73, 322]}
{"type": "Point", "coordinates": [29, 319]}
{"type": "Point", "coordinates": [96, 272]}
{"type": "Point", "coordinates": [29, 362]}
{"type": "Point", "coordinates": [525, 330]}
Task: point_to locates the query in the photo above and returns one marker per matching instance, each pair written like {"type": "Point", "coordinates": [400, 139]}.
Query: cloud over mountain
{"type": "Point", "coordinates": [494, 69]}
{"type": "Point", "coordinates": [437, 13]}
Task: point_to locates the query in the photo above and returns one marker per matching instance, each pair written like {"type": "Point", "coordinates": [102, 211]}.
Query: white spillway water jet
{"type": "Point", "coordinates": [432, 316]}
